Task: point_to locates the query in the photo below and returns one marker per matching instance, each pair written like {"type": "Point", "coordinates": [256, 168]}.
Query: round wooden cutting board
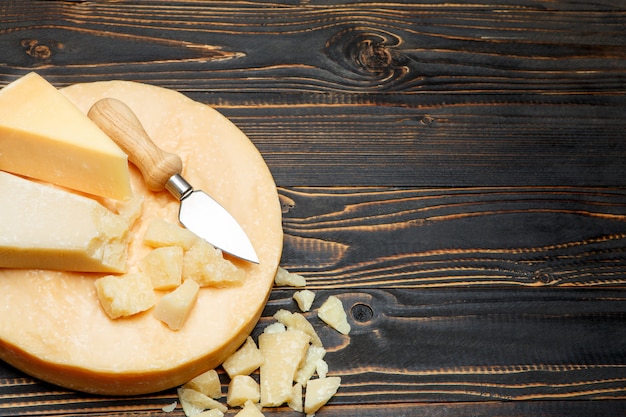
{"type": "Point", "coordinates": [51, 323]}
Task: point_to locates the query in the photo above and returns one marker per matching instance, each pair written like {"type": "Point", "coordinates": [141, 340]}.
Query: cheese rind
{"type": "Point", "coordinates": [42, 227]}
{"type": "Point", "coordinates": [45, 136]}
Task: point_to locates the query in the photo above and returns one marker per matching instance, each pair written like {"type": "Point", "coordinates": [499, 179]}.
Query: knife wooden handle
{"type": "Point", "coordinates": [119, 122]}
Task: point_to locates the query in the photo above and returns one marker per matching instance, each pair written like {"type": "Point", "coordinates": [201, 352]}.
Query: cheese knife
{"type": "Point", "coordinates": [162, 170]}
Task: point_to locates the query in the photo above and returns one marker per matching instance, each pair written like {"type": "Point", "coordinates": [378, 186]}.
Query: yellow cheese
{"type": "Point", "coordinates": [51, 323]}
{"type": "Point", "coordinates": [44, 136]}
{"type": "Point", "coordinates": [283, 353]}
{"type": "Point", "coordinates": [42, 227]}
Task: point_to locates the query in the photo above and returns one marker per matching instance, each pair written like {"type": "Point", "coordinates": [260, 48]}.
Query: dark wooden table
{"type": "Point", "coordinates": [454, 171]}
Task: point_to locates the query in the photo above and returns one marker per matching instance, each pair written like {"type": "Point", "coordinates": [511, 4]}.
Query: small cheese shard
{"type": "Point", "coordinates": [249, 410]}
{"type": "Point", "coordinates": [125, 295]}
{"type": "Point", "coordinates": [163, 233]}
{"type": "Point", "coordinates": [333, 314]}
{"type": "Point", "coordinates": [43, 227]}
{"type": "Point", "coordinates": [175, 307]}
{"type": "Point", "coordinates": [295, 403]}
{"type": "Point", "coordinates": [208, 383]}
{"type": "Point", "coordinates": [164, 266]}
{"type": "Point", "coordinates": [242, 388]}
{"type": "Point", "coordinates": [313, 355]}
{"type": "Point", "coordinates": [319, 391]}
{"type": "Point", "coordinates": [194, 402]}
{"type": "Point", "coordinates": [206, 265]}
{"type": "Point", "coordinates": [245, 360]}
{"type": "Point", "coordinates": [296, 321]}
{"type": "Point", "coordinates": [45, 136]}
{"type": "Point", "coordinates": [305, 299]}
{"type": "Point", "coordinates": [289, 279]}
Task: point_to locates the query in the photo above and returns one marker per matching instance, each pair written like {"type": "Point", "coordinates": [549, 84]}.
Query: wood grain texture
{"type": "Point", "coordinates": [452, 171]}
{"type": "Point", "coordinates": [517, 91]}
{"type": "Point", "coordinates": [351, 237]}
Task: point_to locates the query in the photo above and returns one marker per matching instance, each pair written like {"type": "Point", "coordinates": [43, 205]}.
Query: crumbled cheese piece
{"type": "Point", "coordinates": [169, 407]}
{"type": "Point", "coordinates": [125, 295]}
{"type": "Point", "coordinates": [295, 403]}
{"type": "Point", "coordinates": [286, 278]}
{"type": "Point", "coordinates": [296, 321]}
{"type": "Point", "coordinates": [319, 391]}
{"type": "Point", "coordinates": [208, 383]}
{"type": "Point", "coordinates": [306, 371]}
{"type": "Point", "coordinates": [194, 402]}
{"type": "Point", "coordinates": [175, 307]}
{"type": "Point", "coordinates": [283, 352]}
{"type": "Point", "coordinates": [242, 388]}
{"type": "Point", "coordinates": [245, 360]}
{"type": "Point", "coordinates": [333, 314]}
{"type": "Point", "coordinates": [249, 410]}
{"type": "Point", "coordinates": [205, 264]}
{"type": "Point", "coordinates": [162, 233]}
{"type": "Point", "coordinates": [275, 328]}
{"type": "Point", "coordinates": [305, 299]}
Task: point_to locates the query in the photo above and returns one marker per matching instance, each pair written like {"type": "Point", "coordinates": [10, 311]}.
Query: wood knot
{"type": "Point", "coordinates": [365, 55]}
{"type": "Point", "coordinates": [361, 313]}
{"type": "Point", "coordinates": [42, 51]}
{"type": "Point", "coordinates": [375, 58]}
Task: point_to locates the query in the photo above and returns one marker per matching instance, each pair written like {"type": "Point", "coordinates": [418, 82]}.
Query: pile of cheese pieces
{"type": "Point", "coordinates": [288, 355]}
{"type": "Point", "coordinates": [180, 262]}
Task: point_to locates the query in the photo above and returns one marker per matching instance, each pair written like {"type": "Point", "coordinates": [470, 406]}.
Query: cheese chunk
{"type": "Point", "coordinates": [242, 388]}
{"type": "Point", "coordinates": [333, 314]}
{"type": "Point", "coordinates": [174, 308]}
{"type": "Point", "coordinates": [42, 227]}
{"type": "Point", "coordinates": [319, 391]}
{"type": "Point", "coordinates": [125, 295]}
{"type": "Point", "coordinates": [245, 360]}
{"type": "Point", "coordinates": [51, 324]}
{"type": "Point", "coordinates": [208, 383]}
{"type": "Point", "coordinates": [283, 353]}
{"type": "Point", "coordinates": [45, 136]}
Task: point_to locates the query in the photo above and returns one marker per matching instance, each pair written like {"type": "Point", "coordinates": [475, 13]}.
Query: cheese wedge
{"type": "Point", "coordinates": [42, 227]}
{"type": "Point", "coordinates": [44, 136]}
{"type": "Point", "coordinates": [51, 323]}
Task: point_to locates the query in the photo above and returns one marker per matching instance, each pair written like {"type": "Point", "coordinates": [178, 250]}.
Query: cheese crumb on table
{"type": "Point", "coordinates": [333, 314]}
{"type": "Point", "coordinates": [249, 410]}
{"type": "Point", "coordinates": [319, 391]}
{"type": "Point", "coordinates": [289, 279]}
{"type": "Point", "coordinates": [245, 360]}
{"type": "Point", "coordinates": [242, 388]}
{"type": "Point", "coordinates": [194, 402]}
{"type": "Point", "coordinates": [283, 353]}
{"type": "Point", "coordinates": [304, 299]}
{"type": "Point", "coordinates": [208, 383]}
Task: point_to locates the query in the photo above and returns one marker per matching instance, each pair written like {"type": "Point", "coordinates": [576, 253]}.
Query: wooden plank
{"type": "Point", "coordinates": [412, 346]}
{"type": "Point", "coordinates": [463, 94]}
{"type": "Point", "coordinates": [462, 345]}
{"type": "Point", "coordinates": [468, 237]}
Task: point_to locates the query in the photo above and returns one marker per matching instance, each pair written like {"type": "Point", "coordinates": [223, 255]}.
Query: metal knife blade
{"type": "Point", "coordinates": [162, 170]}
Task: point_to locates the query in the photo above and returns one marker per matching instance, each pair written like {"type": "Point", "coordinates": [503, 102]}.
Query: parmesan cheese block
{"type": "Point", "coordinates": [43, 227]}
{"type": "Point", "coordinates": [51, 323]}
{"type": "Point", "coordinates": [45, 136]}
